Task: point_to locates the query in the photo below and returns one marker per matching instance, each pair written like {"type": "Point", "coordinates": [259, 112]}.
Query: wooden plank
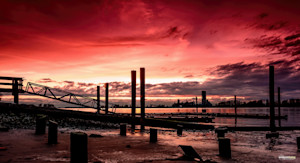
{"type": "Point", "coordinates": [10, 84]}
{"type": "Point", "coordinates": [9, 78]}
{"type": "Point", "coordinates": [190, 152]}
{"type": "Point", "coordinates": [5, 90]}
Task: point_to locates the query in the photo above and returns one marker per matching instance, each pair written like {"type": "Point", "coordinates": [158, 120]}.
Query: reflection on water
{"type": "Point", "coordinates": [293, 114]}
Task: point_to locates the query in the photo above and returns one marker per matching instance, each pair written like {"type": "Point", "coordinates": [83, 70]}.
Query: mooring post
{"type": "Point", "coordinates": [179, 130]}
{"type": "Point", "coordinates": [15, 91]}
{"type": "Point", "coordinates": [142, 91]}
{"type": "Point", "coordinates": [153, 135]}
{"type": "Point", "coordinates": [196, 104]}
{"type": "Point", "coordinates": [40, 124]}
{"type": "Point", "coordinates": [52, 132]}
{"type": "Point", "coordinates": [78, 145]}
{"type": "Point", "coordinates": [106, 97]}
{"type": "Point", "coordinates": [98, 99]}
{"type": "Point", "coordinates": [133, 92]}
{"type": "Point", "coordinates": [279, 103]}
{"type": "Point", "coordinates": [221, 131]}
{"type": "Point", "coordinates": [133, 98]}
{"type": "Point", "coordinates": [224, 147]}
{"type": "Point", "coordinates": [235, 108]}
{"type": "Point", "coordinates": [298, 143]}
{"type": "Point", "coordinates": [271, 93]}
{"type": "Point", "coordinates": [123, 129]}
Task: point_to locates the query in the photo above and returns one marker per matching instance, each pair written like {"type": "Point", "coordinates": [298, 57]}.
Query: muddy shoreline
{"type": "Point", "coordinates": [110, 147]}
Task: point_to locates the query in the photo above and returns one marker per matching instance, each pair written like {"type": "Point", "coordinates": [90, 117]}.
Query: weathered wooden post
{"type": "Point", "coordinates": [123, 129]}
{"type": "Point", "coordinates": [153, 135]}
{"type": "Point", "coordinates": [179, 130]}
{"type": "Point", "coordinates": [40, 124]}
{"type": "Point", "coordinates": [221, 131]}
{"type": "Point", "coordinates": [271, 93]}
{"type": "Point", "coordinates": [224, 147]}
{"type": "Point", "coordinates": [106, 98]}
{"type": "Point", "coordinates": [279, 103]}
{"type": "Point", "coordinates": [142, 91]}
{"type": "Point", "coordinates": [133, 98]}
{"type": "Point", "coordinates": [298, 143]}
{"type": "Point", "coordinates": [78, 145]}
{"type": "Point", "coordinates": [203, 98]}
{"type": "Point", "coordinates": [52, 132]}
{"type": "Point", "coordinates": [98, 99]}
{"type": "Point", "coordinates": [235, 108]}
{"type": "Point", "coordinates": [15, 90]}
{"type": "Point", "coordinates": [133, 92]}
{"type": "Point", "coordinates": [197, 104]}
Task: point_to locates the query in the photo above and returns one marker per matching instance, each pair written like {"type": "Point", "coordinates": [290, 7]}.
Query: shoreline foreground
{"type": "Point", "coordinates": [20, 144]}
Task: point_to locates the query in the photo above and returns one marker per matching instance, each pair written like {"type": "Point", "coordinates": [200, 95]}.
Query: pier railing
{"type": "Point", "coordinates": [60, 95]}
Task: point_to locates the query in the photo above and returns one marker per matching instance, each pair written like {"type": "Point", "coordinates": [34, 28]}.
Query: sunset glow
{"type": "Point", "coordinates": [223, 47]}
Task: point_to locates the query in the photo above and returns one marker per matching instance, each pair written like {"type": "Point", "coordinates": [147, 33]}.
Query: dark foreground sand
{"type": "Point", "coordinates": [24, 146]}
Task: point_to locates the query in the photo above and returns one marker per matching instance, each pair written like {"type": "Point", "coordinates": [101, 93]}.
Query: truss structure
{"type": "Point", "coordinates": [60, 95]}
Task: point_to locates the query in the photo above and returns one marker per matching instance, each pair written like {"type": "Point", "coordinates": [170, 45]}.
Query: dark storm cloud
{"type": "Point", "coordinates": [249, 80]}
{"type": "Point", "coordinates": [252, 79]}
{"type": "Point", "coordinates": [69, 82]}
{"type": "Point", "coordinates": [46, 80]}
{"type": "Point", "coordinates": [174, 88]}
{"type": "Point", "coordinates": [232, 68]}
{"type": "Point", "coordinates": [292, 37]}
{"type": "Point", "coordinates": [268, 43]}
{"type": "Point", "coordinates": [272, 26]}
{"type": "Point", "coordinates": [290, 45]}
{"type": "Point", "coordinates": [86, 84]}
{"type": "Point", "coordinates": [263, 15]}
{"type": "Point", "coordinates": [189, 76]}
{"type": "Point", "coordinates": [54, 25]}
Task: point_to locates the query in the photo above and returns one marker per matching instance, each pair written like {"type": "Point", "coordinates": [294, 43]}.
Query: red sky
{"type": "Point", "coordinates": [186, 46]}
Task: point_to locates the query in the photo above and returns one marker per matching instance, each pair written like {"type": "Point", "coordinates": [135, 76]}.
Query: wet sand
{"type": "Point", "coordinates": [24, 146]}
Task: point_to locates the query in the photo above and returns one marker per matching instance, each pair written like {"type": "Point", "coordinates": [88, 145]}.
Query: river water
{"type": "Point", "coordinates": [293, 114]}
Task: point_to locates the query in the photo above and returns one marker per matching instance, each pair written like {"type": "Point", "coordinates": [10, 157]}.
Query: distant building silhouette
{"type": "Point", "coordinates": [260, 103]}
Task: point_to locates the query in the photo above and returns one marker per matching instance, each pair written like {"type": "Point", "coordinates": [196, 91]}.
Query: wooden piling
{"type": "Point", "coordinates": [196, 104]}
{"type": "Point", "coordinates": [224, 147]}
{"type": "Point", "coordinates": [78, 145]}
{"type": "Point", "coordinates": [153, 135]}
{"type": "Point", "coordinates": [142, 91]}
{"type": "Point", "coordinates": [123, 129]}
{"type": "Point", "coordinates": [179, 130]}
{"type": "Point", "coordinates": [133, 93]}
{"type": "Point", "coordinates": [98, 99]}
{"type": "Point", "coordinates": [279, 103]}
{"type": "Point", "coordinates": [52, 132]}
{"type": "Point", "coordinates": [15, 91]}
{"type": "Point", "coordinates": [221, 131]}
{"type": "Point", "coordinates": [203, 98]}
{"type": "Point", "coordinates": [271, 93]}
{"type": "Point", "coordinates": [133, 99]}
{"type": "Point", "coordinates": [40, 124]}
{"type": "Point", "coordinates": [298, 143]}
{"type": "Point", "coordinates": [235, 107]}
{"type": "Point", "coordinates": [106, 98]}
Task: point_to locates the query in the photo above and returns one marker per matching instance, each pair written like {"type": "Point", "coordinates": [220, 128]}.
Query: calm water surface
{"type": "Point", "coordinates": [293, 114]}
